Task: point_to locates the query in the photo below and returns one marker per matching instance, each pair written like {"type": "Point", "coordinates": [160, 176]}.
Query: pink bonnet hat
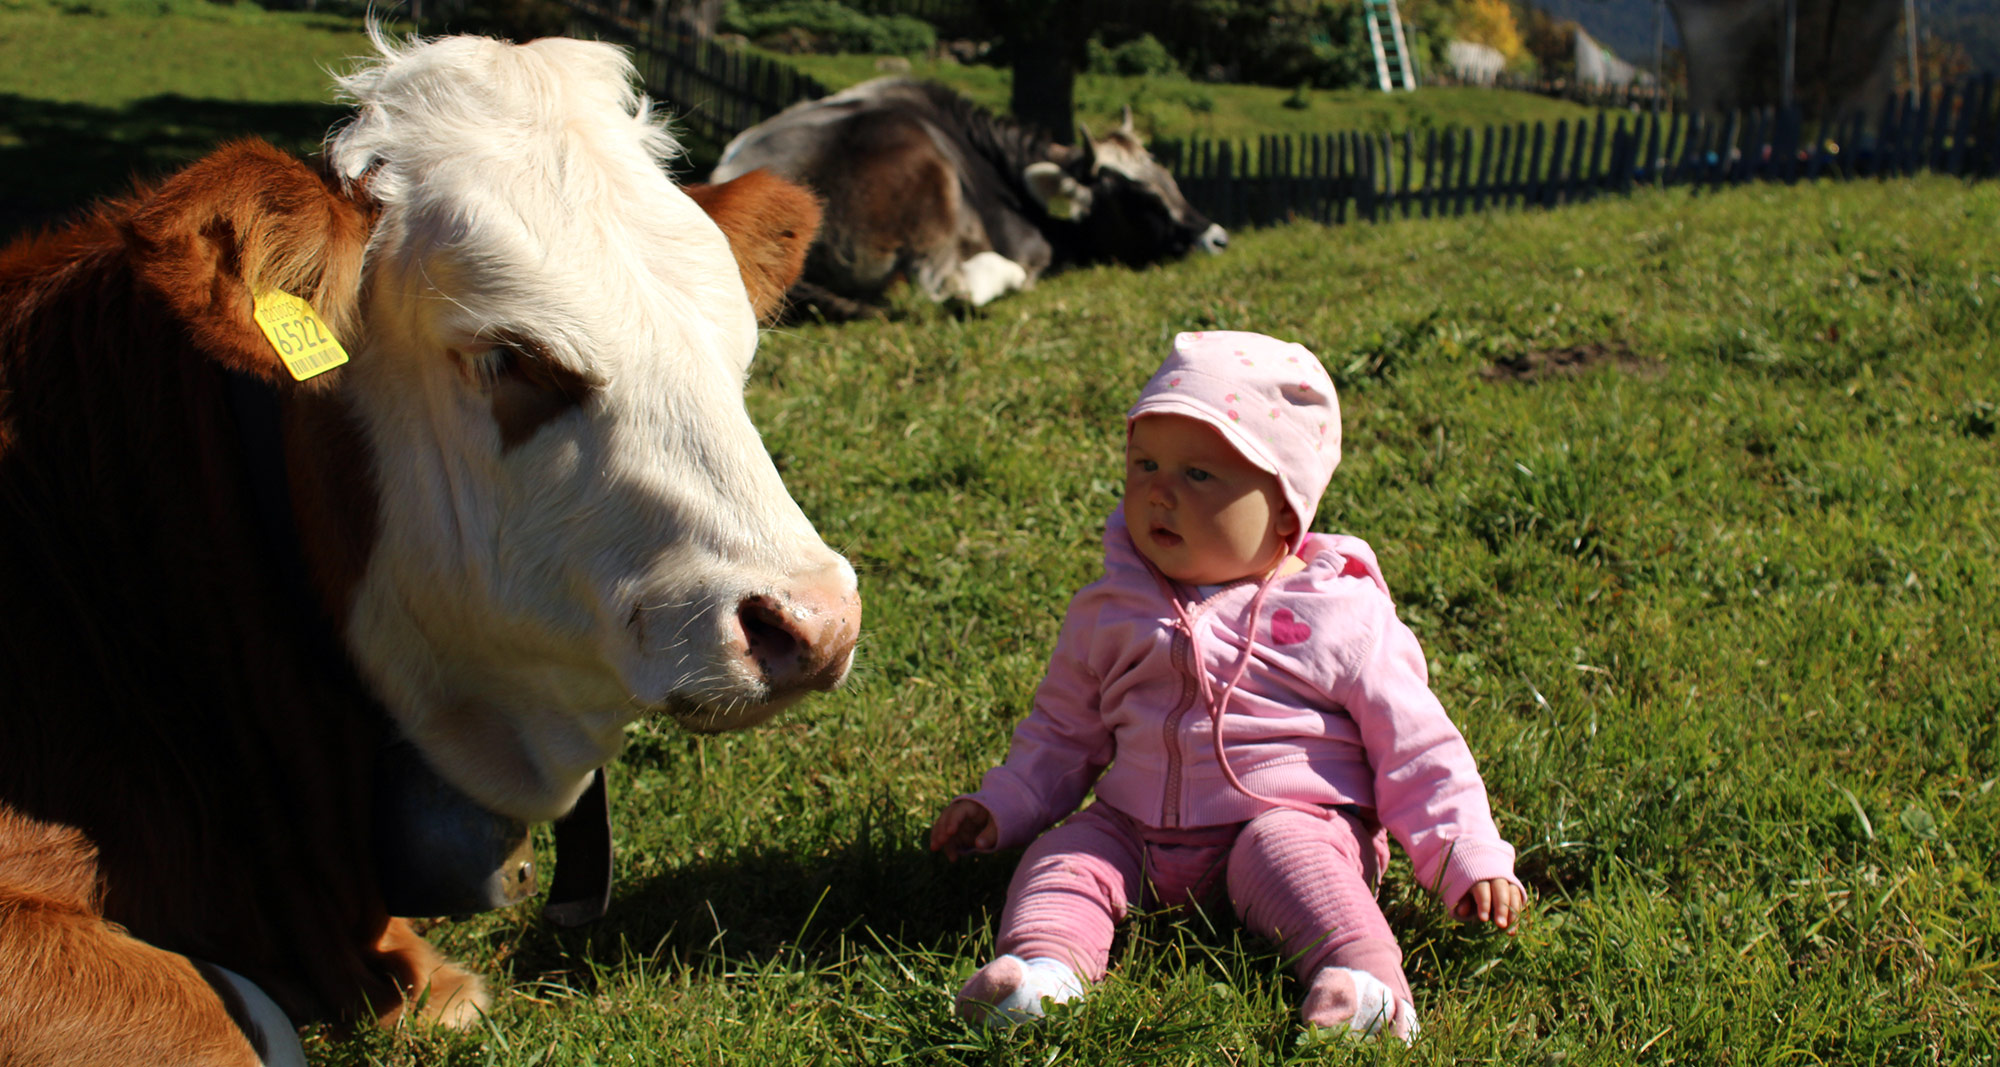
{"type": "Point", "coordinates": [1270, 399]}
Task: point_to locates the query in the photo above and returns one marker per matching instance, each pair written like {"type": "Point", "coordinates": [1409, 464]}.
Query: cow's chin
{"type": "Point", "coordinates": [711, 717]}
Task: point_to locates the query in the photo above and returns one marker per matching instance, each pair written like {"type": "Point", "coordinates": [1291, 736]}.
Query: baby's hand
{"type": "Point", "coordinates": [1494, 900]}
{"type": "Point", "coordinates": [965, 826]}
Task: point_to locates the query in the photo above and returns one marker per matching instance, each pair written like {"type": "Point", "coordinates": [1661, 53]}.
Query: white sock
{"type": "Point", "coordinates": [1010, 990]}
{"type": "Point", "coordinates": [1376, 1008]}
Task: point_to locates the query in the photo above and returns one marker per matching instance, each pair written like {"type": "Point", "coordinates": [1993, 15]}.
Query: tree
{"type": "Point", "coordinates": [1045, 43]}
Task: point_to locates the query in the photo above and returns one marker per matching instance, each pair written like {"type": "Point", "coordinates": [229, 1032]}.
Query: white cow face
{"type": "Point", "coordinates": [578, 523]}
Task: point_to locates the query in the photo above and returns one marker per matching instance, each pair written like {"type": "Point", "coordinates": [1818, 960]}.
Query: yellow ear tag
{"type": "Point", "coordinates": [298, 333]}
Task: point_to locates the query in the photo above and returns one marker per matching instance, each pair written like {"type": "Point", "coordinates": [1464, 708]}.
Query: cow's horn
{"type": "Point", "coordinates": [1086, 147]}
{"type": "Point", "coordinates": [1126, 127]}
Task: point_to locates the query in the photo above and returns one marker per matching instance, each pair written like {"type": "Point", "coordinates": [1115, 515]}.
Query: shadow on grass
{"type": "Point", "coordinates": [58, 158]}
{"type": "Point", "coordinates": [761, 905]}
{"type": "Point", "coordinates": [880, 889]}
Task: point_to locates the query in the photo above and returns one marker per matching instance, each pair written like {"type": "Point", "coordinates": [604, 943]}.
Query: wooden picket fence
{"type": "Point", "coordinates": [715, 92]}
{"type": "Point", "coordinates": [1331, 178]}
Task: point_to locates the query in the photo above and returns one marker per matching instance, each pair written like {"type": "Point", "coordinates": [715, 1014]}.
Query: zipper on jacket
{"type": "Point", "coordinates": [1170, 814]}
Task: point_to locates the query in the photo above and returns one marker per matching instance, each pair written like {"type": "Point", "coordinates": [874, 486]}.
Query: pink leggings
{"type": "Point", "coordinates": [1300, 881]}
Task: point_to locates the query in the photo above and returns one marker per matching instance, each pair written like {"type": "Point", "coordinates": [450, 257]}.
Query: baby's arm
{"type": "Point", "coordinates": [1058, 750]}
{"type": "Point", "coordinates": [1427, 787]}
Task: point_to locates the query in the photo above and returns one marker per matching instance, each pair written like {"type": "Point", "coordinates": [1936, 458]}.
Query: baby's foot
{"type": "Point", "coordinates": [1359, 1001]}
{"type": "Point", "coordinates": [1009, 991]}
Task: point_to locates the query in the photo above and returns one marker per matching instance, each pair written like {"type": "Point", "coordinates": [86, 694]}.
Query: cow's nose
{"type": "Point", "coordinates": [802, 638]}
{"type": "Point", "coordinates": [1214, 239]}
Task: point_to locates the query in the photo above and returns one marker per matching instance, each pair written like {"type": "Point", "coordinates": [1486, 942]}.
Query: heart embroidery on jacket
{"type": "Point", "coordinates": [1286, 629]}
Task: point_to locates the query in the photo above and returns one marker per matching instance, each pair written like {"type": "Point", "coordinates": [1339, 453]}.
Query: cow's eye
{"type": "Point", "coordinates": [527, 388]}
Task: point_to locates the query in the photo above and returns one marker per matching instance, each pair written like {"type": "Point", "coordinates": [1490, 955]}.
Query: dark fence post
{"type": "Point", "coordinates": [1667, 168]}
{"type": "Point", "coordinates": [1913, 134]}
{"type": "Point", "coordinates": [1652, 149]}
{"type": "Point", "coordinates": [1430, 192]}
{"type": "Point", "coordinates": [1225, 192]}
{"type": "Point", "coordinates": [1623, 154]}
{"type": "Point", "coordinates": [1985, 156]}
{"type": "Point", "coordinates": [1531, 189]}
{"type": "Point", "coordinates": [1485, 179]}
{"type": "Point", "coordinates": [1404, 197]}
{"type": "Point", "coordinates": [1364, 204]}
{"type": "Point", "coordinates": [1970, 97]}
{"type": "Point", "coordinates": [1516, 195]}
{"type": "Point", "coordinates": [1594, 178]}
{"type": "Point", "coordinates": [1346, 167]}
{"type": "Point", "coordinates": [1950, 99]}
{"type": "Point", "coordinates": [1460, 187]}
{"type": "Point", "coordinates": [1725, 147]}
{"type": "Point", "coordinates": [1576, 176]}
{"type": "Point", "coordinates": [1552, 183]}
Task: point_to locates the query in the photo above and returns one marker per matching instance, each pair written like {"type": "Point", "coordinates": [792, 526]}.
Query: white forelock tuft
{"type": "Point", "coordinates": [448, 95]}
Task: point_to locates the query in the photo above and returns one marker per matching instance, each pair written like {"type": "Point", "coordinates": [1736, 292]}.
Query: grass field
{"type": "Point", "coordinates": [94, 93]}
{"type": "Point", "coordinates": [1715, 610]}
{"type": "Point", "coordinates": [1691, 499]}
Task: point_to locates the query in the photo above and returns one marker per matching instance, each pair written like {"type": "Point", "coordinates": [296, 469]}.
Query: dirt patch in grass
{"type": "Point", "coordinates": [1538, 363]}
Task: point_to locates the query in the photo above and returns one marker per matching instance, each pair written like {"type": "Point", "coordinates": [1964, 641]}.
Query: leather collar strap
{"type": "Point", "coordinates": [416, 878]}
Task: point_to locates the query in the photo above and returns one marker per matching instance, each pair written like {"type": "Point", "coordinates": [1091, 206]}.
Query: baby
{"type": "Point", "coordinates": [1250, 711]}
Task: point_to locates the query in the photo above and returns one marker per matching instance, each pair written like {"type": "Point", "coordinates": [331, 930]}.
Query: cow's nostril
{"type": "Point", "coordinates": [767, 634]}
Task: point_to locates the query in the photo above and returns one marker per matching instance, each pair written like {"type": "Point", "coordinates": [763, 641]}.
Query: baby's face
{"type": "Point", "coordinates": [1196, 508]}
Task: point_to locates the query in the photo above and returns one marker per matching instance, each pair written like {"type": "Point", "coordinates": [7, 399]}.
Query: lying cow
{"type": "Point", "coordinates": [529, 508]}
{"type": "Point", "coordinates": [920, 182]}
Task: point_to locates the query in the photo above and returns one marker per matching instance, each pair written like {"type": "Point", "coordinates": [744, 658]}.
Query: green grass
{"type": "Point", "coordinates": [95, 93]}
{"type": "Point", "coordinates": [1164, 107]}
{"type": "Point", "coordinates": [1717, 619]}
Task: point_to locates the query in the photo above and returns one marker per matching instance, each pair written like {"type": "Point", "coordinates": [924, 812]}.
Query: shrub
{"type": "Point", "coordinates": [1141, 55]}
{"type": "Point", "coordinates": [827, 26]}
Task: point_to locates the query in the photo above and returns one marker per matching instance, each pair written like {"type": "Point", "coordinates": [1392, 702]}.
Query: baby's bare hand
{"type": "Point", "coordinates": [1495, 900]}
{"type": "Point", "coordinates": [964, 826]}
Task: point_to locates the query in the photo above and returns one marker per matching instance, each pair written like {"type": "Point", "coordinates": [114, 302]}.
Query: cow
{"type": "Point", "coordinates": [919, 182]}
{"type": "Point", "coordinates": [529, 507]}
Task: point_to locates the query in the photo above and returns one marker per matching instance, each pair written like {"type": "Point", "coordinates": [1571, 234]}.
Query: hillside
{"type": "Point", "coordinates": [1626, 26]}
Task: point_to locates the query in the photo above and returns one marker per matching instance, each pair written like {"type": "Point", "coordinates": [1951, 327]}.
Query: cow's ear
{"type": "Point", "coordinates": [1062, 196]}
{"type": "Point", "coordinates": [246, 221]}
{"type": "Point", "coordinates": [770, 223]}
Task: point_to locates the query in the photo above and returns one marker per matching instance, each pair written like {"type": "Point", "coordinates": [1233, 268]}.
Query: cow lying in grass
{"type": "Point", "coordinates": [528, 508]}
{"type": "Point", "coordinates": [921, 183]}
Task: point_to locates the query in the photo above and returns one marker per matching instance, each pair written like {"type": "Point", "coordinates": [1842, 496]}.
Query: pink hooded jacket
{"type": "Point", "coordinates": [1334, 705]}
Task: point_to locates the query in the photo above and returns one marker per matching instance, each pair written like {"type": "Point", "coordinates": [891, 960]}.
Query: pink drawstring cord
{"type": "Point", "coordinates": [1217, 707]}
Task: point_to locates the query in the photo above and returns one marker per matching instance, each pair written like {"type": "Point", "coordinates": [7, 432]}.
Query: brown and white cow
{"type": "Point", "coordinates": [921, 183]}
{"type": "Point", "coordinates": [531, 507]}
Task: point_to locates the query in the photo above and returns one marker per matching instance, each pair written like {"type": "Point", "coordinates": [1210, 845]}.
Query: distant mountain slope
{"type": "Point", "coordinates": [1626, 26]}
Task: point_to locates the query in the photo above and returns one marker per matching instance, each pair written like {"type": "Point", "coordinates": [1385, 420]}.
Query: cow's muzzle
{"type": "Point", "coordinates": [799, 640]}
{"type": "Point", "coordinates": [1212, 240]}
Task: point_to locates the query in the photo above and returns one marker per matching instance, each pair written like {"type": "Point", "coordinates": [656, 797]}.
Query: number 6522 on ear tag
{"type": "Point", "coordinates": [300, 336]}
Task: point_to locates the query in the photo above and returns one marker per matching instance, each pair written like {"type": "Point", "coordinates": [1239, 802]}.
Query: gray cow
{"type": "Point", "coordinates": [920, 182]}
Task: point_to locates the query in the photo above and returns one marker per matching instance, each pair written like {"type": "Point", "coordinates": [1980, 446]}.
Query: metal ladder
{"type": "Point", "coordinates": [1393, 69]}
